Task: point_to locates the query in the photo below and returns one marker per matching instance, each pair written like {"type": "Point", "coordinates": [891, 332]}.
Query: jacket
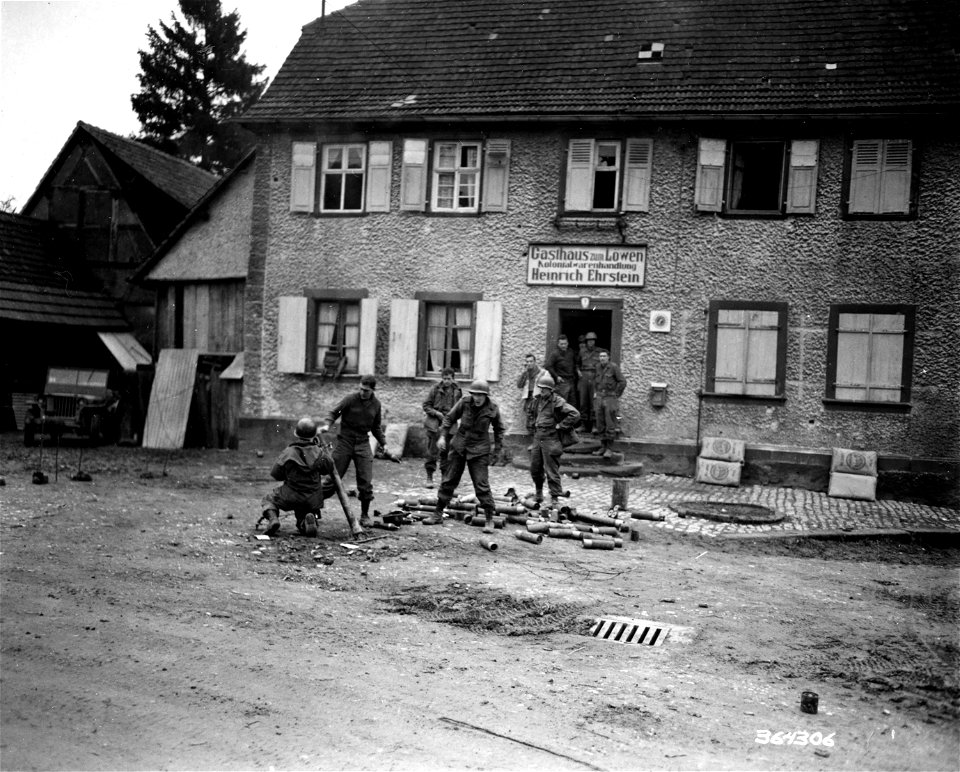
{"type": "Point", "coordinates": [562, 364]}
{"type": "Point", "coordinates": [547, 416]}
{"type": "Point", "coordinates": [300, 465]}
{"type": "Point", "coordinates": [358, 417]}
{"type": "Point", "coordinates": [473, 435]}
{"type": "Point", "coordinates": [438, 403]}
{"type": "Point", "coordinates": [609, 381]}
{"type": "Point", "coordinates": [525, 376]}
{"type": "Point", "coordinates": [589, 361]}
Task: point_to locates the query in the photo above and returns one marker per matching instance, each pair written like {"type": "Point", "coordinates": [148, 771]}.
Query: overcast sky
{"type": "Point", "coordinates": [76, 60]}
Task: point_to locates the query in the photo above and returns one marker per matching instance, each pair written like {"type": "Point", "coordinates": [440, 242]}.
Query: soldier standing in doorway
{"type": "Point", "coordinates": [586, 370]}
{"type": "Point", "coordinates": [441, 398]}
{"type": "Point", "coordinates": [562, 365]}
{"type": "Point", "coordinates": [609, 384]}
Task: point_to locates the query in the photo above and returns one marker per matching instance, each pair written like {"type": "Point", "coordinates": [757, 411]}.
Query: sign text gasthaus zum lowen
{"type": "Point", "coordinates": [613, 265]}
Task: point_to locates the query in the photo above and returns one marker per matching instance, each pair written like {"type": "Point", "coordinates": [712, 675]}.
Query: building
{"type": "Point", "coordinates": [114, 201]}
{"type": "Point", "coordinates": [751, 202]}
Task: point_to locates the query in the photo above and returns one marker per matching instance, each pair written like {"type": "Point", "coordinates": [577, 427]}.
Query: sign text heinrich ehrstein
{"type": "Point", "coordinates": [606, 265]}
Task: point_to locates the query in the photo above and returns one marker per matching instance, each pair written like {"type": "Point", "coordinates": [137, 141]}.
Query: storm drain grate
{"type": "Point", "coordinates": [636, 631]}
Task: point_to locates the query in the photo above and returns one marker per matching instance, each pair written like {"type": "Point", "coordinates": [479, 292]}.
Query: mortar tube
{"type": "Point", "coordinates": [488, 544]}
{"type": "Point", "coordinates": [598, 544]}
{"type": "Point", "coordinates": [533, 538]}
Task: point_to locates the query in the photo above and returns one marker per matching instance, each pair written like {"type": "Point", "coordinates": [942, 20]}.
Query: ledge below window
{"type": "Point", "coordinates": [868, 407]}
{"type": "Point", "coordinates": [588, 222]}
{"type": "Point", "coordinates": [717, 395]}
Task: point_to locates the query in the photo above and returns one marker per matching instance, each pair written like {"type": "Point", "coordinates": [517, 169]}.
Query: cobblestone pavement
{"type": "Point", "coordinates": [804, 511]}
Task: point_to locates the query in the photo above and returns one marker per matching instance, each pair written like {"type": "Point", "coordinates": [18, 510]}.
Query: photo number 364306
{"type": "Point", "coordinates": [799, 737]}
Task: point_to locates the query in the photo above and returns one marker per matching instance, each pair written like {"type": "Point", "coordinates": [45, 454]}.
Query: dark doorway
{"type": "Point", "coordinates": [603, 317]}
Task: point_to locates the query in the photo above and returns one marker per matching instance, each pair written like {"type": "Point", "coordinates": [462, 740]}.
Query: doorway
{"type": "Point", "coordinates": [603, 317]}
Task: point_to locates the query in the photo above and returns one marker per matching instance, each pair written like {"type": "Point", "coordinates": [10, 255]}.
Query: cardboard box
{"type": "Point", "coordinates": [852, 486]}
{"type": "Point", "coordinates": [722, 449]}
{"type": "Point", "coordinates": [850, 461]}
{"type": "Point", "coordinates": [710, 470]}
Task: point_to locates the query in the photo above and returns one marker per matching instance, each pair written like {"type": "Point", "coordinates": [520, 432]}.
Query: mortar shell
{"type": "Point", "coordinates": [533, 538]}
{"type": "Point", "coordinates": [598, 544]}
{"type": "Point", "coordinates": [488, 544]}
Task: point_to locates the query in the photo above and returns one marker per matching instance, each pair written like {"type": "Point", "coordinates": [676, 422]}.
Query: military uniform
{"type": "Point", "coordinates": [587, 366]}
{"type": "Point", "coordinates": [439, 401]}
{"type": "Point", "coordinates": [609, 384]}
{"type": "Point", "coordinates": [299, 466]}
{"type": "Point", "coordinates": [562, 365]}
{"type": "Point", "coordinates": [358, 419]}
{"type": "Point", "coordinates": [548, 415]}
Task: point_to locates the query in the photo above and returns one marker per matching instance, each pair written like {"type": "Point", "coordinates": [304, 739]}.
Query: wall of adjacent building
{"type": "Point", "coordinates": [808, 261]}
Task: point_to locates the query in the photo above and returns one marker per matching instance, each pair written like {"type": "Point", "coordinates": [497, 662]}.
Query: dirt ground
{"type": "Point", "coordinates": [145, 627]}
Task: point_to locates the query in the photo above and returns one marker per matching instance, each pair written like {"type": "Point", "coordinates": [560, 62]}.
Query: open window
{"type": "Point", "coordinates": [756, 177]}
{"type": "Point", "coordinates": [437, 330]}
{"type": "Point", "coordinates": [327, 331]}
{"type": "Point", "coordinates": [746, 348]}
{"type": "Point", "coordinates": [608, 176]}
{"type": "Point", "coordinates": [870, 354]}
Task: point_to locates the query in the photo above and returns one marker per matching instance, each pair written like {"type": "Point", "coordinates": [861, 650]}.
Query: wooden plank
{"type": "Point", "coordinates": [170, 398]}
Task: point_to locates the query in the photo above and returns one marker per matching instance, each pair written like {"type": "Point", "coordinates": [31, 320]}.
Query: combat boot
{"type": "Point", "coordinates": [435, 519]}
{"type": "Point", "coordinates": [273, 522]}
{"type": "Point", "coordinates": [607, 452]}
{"type": "Point", "coordinates": [310, 525]}
{"type": "Point", "coordinates": [429, 479]}
{"type": "Point", "coordinates": [365, 521]}
{"type": "Point", "coordinates": [488, 523]}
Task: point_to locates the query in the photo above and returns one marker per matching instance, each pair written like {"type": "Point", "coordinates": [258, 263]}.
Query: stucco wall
{"type": "Point", "coordinates": [808, 261]}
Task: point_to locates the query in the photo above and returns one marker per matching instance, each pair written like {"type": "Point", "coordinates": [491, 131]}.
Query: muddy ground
{"type": "Point", "coordinates": [144, 626]}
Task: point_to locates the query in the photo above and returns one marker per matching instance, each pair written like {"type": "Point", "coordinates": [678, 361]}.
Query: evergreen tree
{"type": "Point", "coordinates": [194, 77]}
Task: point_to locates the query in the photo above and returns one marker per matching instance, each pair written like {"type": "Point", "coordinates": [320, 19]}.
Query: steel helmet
{"type": "Point", "coordinates": [479, 386]}
{"type": "Point", "coordinates": [590, 336]}
{"type": "Point", "coordinates": [546, 381]}
{"type": "Point", "coordinates": [306, 429]}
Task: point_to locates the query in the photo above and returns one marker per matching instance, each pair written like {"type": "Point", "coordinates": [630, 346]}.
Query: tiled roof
{"type": "Point", "coordinates": [179, 179]}
{"type": "Point", "coordinates": [422, 59]}
{"type": "Point", "coordinates": [37, 283]}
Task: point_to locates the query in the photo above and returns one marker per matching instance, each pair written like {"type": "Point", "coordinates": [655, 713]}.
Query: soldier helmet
{"type": "Point", "coordinates": [479, 386]}
{"type": "Point", "coordinates": [590, 336]}
{"type": "Point", "coordinates": [546, 381]}
{"type": "Point", "coordinates": [369, 380]}
{"type": "Point", "coordinates": [306, 429]}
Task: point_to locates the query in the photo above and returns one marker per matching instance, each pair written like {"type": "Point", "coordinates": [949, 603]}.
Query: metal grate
{"type": "Point", "coordinates": [635, 631]}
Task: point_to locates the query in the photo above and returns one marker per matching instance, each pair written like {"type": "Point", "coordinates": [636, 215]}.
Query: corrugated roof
{"type": "Point", "coordinates": [38, 283]}
{"type": "Point", "coordinates": [397, 59]}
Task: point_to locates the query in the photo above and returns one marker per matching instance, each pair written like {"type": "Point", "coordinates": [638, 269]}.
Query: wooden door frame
{"type": "Point", "coordinates": [614, 305]}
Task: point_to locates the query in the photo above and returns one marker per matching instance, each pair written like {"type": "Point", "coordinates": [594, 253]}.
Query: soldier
{"type": "Point", "coordinates": [586, 368]}
{"type": "Point", "coordinates": [299, 467]}
{"type": "Point", "coordinates": [527, 382]}
{"type": "Point", "coordinates": [549, 415]}
{"type": "Point", "coordinates": [442, 397]}
{"type": "Point", "coordinates": [470, 448]}
{"type": "Point", "coordinates": [609, 384]}
{"type": "Point", "coordinates": [359, 415]}
{"type": "Point", "coordinates": [562, 365]}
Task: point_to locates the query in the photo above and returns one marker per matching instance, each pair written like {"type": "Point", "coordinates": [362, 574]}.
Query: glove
{"type": "Point", "coordinates": [441, 443]}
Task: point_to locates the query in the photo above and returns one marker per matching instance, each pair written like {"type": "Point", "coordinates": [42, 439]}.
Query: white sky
{"type": "Point", "coordinates": [76, 60]}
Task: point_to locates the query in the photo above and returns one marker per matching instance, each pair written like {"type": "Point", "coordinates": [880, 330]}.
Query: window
{"type": "Point", "coordinates": [337, 331]}
{"type": "Point", "coordinates": [881, 178]}
{"type": "Point", "coordinates": [342, 174]}
{"type": "Point", "coordinates": [870, 353]}
{"type": "Point", "coordinates": [351, 178]}
{"type": "Point", "coordinates": [456, 176]}
{"type": "Point", "coordinates": [608, 176]}
{"type": "Point", "coordinates": [756, 176]}
{"type": "Point", "coordinates": [747, 348]}
{"type": "Point", "coordinates": [437, 330]}
{"type": "Point", "coordinates": [327, 331]}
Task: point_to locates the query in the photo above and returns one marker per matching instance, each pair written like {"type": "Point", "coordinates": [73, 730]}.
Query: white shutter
{"type": "Point", "coordinates": [637, 171]}
{"type": "Point", "coordinates": [802, 181]}
{"type": "Point", "coordinates": [379, 168]}
{"type": "Point", "coordinates": [496, 175]}
{"type": "Point", "coordinates": [303, 176]}
{"type": "Point", "coordinates": [404, 325]}
{"type": "Point", "coordinates": [292, 335]}
{"type": "Point", "coordinates": [413, 176]}
{"type": "Point", "coordinates": [367, 354]}
{"type": "Point", "coordinates": [708, 195]}
{"type": "Point", "coordinates": [865, 177]}
{"type": "Point", "coordinates": [486, 362]}
{"type": "Point", "coordinates": [895, 177]}
{"type": "Point", "coordinates": [579, 193]}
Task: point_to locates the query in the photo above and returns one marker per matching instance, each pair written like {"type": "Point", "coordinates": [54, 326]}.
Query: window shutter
{"type": "Point", "coordinates": [303, 176]}
{"type": "Point", "coordinates": [729, 373]}
{"type": "Point", "coordinates": [367, 354]}
{"type": "Point", "coordinates": [404, 325]}
{"type": "Point", "coordinates": [802, 182]}
{"type": "Point", "coordinates": [496, 175]}
{"type": "Point", "coordinates": [379, 168]}
{"type": "Point", "coordinates": [763, 331]}
{"type": "Point", "coordinates": [853, 356]}
{"type": "Point", "coordinates": [865, 177]}
{"type": "Point", "coordinates": [292, 335]}
{"type": "Point", "coordinates": [486, 363]}
{"type": "Point", "coordinates": [413, 176]}
{"type": "Point", "coordinates": [895, 177]}
{"type": "Point", "coordinates": [636, 183]}
{"type": "Point", "coordinates": [579, 193]}
{"type": "Point", "coordinates": [886, 359]}
{"type": "Point", "coordinates": [708, 195]}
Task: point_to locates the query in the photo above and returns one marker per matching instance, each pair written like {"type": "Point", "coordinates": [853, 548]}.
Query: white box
{"type": "Point", "coordinates": [722, 449]}
{"type": "Point", "coordinates": [854, 462]}
{"type": "Point", "coordinates": [710, 470]}
{"type": "Point", "coordinates": [852, 486]}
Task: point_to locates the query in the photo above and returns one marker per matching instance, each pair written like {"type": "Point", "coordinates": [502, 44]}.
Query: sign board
{"type": "Point", "coordinates": [604, 265]}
